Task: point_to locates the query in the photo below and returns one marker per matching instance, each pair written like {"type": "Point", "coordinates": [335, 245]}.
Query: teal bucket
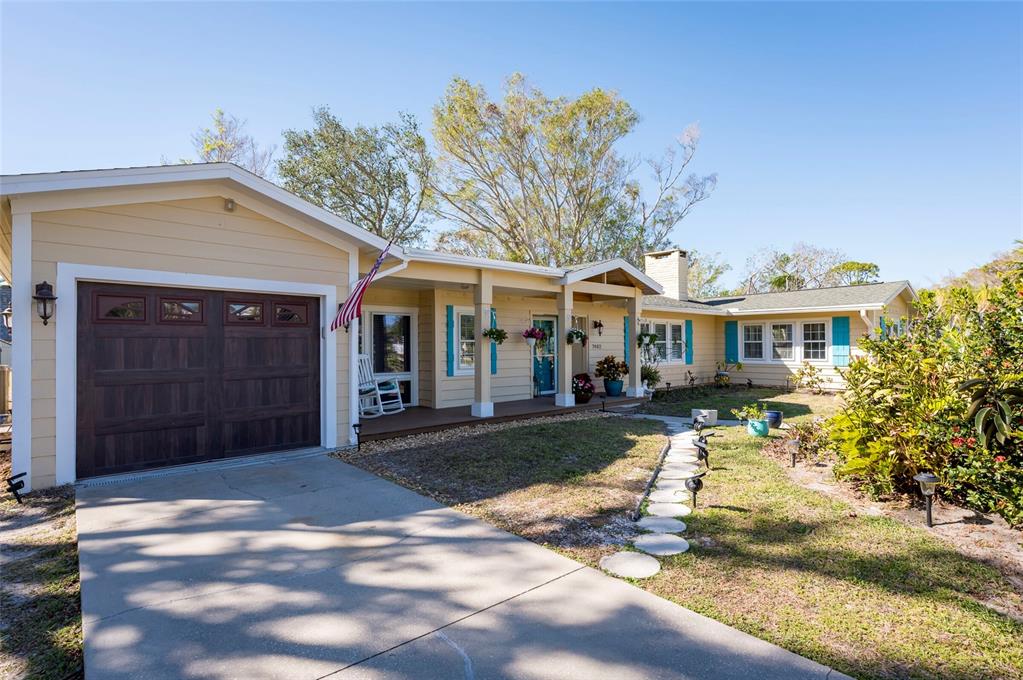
{"type": "Point", "coordinates": [758, 428]}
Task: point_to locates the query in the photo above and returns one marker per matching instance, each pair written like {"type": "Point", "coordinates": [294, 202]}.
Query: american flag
{"type": "Point", "coordinates": [352, 308]}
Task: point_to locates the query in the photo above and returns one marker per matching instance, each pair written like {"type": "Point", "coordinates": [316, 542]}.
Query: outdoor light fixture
{"type": "Point", "coordinates": [599, 325]}
{"type": "Point", "coordinates": [45, 301]}
{"type": "Point", "coordinates": [358, 437]}
{"type": "Point", "coordinates": [603, 403]}
{"type": "Point", "coordinates": [694, 484]}
{"type": "Point", "coordinates": [667, 387]}
{"type": "Point", "coordinates": [793, 446]}
{"type": "Point", "coordinates": [928, 483]}
{"type": "Point", "coordinates": [6, 314]}
{"type": "Point", "coordinates": [229, 204]}
{"type": "Point", "coordinates": [698, 423]}
{"type": "Point", "coordinates": [15, 484]}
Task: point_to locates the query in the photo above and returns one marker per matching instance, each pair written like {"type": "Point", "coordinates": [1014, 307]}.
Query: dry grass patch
{"type": "Point", "coordinates": [40, 612]}
{"type": "Point", "coordinates": [565, 482]}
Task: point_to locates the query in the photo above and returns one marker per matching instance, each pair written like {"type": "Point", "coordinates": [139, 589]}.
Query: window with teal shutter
{"type": "Point", "coordinates": [493, 345]}
{"type": "Point", "coordinates": [840, 340]}
{"type": "Point", "coordinates": [732, 342]}
{"type": "Point", "coordinates": [628, 344]}
{"type": "Point", "coordinates": [689, 341]}
{"type": "Point", "coordinates": [451, 340]}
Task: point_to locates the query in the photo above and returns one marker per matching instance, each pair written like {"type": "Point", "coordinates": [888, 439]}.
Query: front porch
{"type": "Point", "coordinates": [418, 419]}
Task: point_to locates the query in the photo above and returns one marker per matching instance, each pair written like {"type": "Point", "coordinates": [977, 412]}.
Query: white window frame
{"type": "Point", "coordinates": [827, 341]}
{"type": "Point", "coordinates": [366, 328]}
{"type": "Point", "coordinates": [764, 342]}
{"type": "Point", "coordinates": [793, 342]}
{"type": "Point", "coordinates": [647, 326]}
{"type": "Point", "coordinates": [459, 313]}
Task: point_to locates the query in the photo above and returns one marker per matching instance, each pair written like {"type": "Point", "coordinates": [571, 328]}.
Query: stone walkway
{"type": "Point", "coordinates": [668, 501]}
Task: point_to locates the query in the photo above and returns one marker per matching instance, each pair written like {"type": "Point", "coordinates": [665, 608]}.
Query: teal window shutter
{"type": "Point", "coordinates": [628, 344]}
{"type": "Point", "coordinates": [689, 341]}
{"type": "Point", "coordinates": [493, 345]}
{"type": "Point", "coordinates": [840, 340]}
{"type": "Point", "coordinates": [732, 342]}
{"type": "Point", "coordinates": [451, 340]}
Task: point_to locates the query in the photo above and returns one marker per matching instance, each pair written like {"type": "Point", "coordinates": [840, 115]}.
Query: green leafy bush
{"type": "Point", "coordinates": [908, 412]}
{"type": "Point", "coordinates": [650, 375]}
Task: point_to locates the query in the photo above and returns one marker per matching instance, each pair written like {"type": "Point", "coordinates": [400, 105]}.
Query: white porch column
{"type": "Point", "coordinates": [482, 402]}
{"type": "Point", "coordinates": [564, 396]}
{"type": "Point", "coordinates": [23, 311]}
{"type": "Point", "coordinates": [635, 308]}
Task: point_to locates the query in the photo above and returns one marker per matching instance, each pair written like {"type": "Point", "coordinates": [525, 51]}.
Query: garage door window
{"type": "Point", "coordinates": [245, 312]}
{"type": "Point", "coordinates": [181, 310]}
{"type": "Point", "coordinates": [118, 308]}
{"type": "Point", "coordinates": [290, 314]}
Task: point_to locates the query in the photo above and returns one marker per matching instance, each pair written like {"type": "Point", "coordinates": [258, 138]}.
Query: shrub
{"type": "Point", "coordinates": [810, 377]}
{"type": "Point", "coordinates": [905, 412]}
{"type": "Point", "coordinates": [650, 375]}
{"type": "Point", "coordinates": [611, 369]}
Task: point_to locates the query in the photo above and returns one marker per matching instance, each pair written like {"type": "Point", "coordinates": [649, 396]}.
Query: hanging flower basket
{"type": "Point", "coordinates": [644, 339]}
{"type": "Point", "coordinates": [532, 334]}
{"type": "Point", "coordinates": [498, 335]}
{"type": "Point", "coordinates": [576, 334]}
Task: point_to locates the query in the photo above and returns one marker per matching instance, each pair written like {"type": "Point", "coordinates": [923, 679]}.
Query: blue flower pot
{"type": "Point", "coordinates": [613, 388]}
{"type": "Point", "coordinates": [774, 418]}
{"type": "Point", "coordinates": [758, 428]}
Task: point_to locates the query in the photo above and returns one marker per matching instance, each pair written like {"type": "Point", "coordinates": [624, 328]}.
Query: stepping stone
{"type": "Point", "coordinates": [678, 474]}
{"type": "Point", "coordinates": [668, 509]}
{"type": "Point", "coordinates": [665, 496]}
{"type": "Point", "coordinates": [630, 565]}
{"type": "Point", "coordinates": [671, 485]}
{"type": "Point", "coordinates": [661, 544]}
{"type": "Point", "coordinates": [661, 525]}
{"type": "Point", "coordinates": [681, 460]}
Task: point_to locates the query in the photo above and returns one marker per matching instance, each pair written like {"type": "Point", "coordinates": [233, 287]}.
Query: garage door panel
{"type": "Point", "coordinates": [170, 376]}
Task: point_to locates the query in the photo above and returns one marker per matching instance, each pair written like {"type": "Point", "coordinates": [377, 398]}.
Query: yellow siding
{"type": "Point", "coordinates": [193, 236]}
{"type": "Point", "coordinates": [708, 348]}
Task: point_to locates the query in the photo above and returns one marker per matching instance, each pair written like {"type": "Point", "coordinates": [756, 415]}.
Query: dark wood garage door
{"type": "Point", "coordinates": [169, 376]}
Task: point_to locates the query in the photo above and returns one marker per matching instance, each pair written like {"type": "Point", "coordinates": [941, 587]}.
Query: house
{"type": "Point", "coordinates": [193, 305]}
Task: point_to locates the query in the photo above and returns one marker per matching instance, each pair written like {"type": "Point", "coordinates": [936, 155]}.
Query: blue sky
{"type": "Point", "coordinates": [891, 131]}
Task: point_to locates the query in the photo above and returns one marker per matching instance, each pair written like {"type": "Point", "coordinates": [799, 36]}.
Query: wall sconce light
{"type": "Point", "coordinates": [6, 316]}
{"type": "Point", "coordinates": [599, 325]}
{"type": "Point", "coordinates": [229, 204]}
{"type": "Point", "coordinates": [45, 301]}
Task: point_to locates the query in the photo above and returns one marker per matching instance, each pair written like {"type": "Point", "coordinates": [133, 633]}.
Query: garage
{"type": "Point", "coordinates": [167, 376]}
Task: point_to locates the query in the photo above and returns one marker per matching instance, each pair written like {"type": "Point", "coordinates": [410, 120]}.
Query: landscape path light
{"type": "Point", "coordinates": [793, 446]}
{"type": "Point", "coordinates": [694, 484]}
{"type": "Point", "coordinates": [928, 484]}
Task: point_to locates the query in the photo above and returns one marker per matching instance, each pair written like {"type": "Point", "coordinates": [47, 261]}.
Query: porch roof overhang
{"type": "Point", "coordinates": [35, 192]}
{"type": "Point", "coordinates": [625, 270]}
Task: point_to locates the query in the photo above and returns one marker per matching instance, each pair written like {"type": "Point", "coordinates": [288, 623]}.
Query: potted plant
{"type": "Point", "coordinates": [532, 334]}
{"type": "Point", "coordinates": [774, 418]}
{"type": "Point", "coordinates": [582, 387]}
{"type": "Point", "coordinates": [612, 371]}
{"type": "Point", "coordinates": [753, 414]}
{"type": "Point", "coordinates": [576, 334]}
{"type": "Point", "coordinates": [722, 377]}
{"type": "Point", "coordinates": [498, 335]}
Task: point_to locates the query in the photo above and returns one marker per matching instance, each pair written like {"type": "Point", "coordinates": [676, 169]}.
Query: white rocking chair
{"type": "Point", "coordinates": [377, 396]}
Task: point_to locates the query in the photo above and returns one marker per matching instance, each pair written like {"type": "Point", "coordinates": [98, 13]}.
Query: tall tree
{"type": "Point", "coordinates": [805, 266]}
{"type": "Point", "coordinates": [853, 273]}
{"type": "Point", "coordinates": [226, 141]}
{"type": "Point", "coordinates": [705, 272]}
{"type": "Point", "coordinates": [538, 179]}
{"type": "Point", "coordinates": [378, 178]}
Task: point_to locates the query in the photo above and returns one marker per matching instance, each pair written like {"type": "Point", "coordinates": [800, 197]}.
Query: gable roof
{"type": "Point", "coordinates": [664, 302]}
{"type": "Point", "coordinates": [628, 271]}
{"type": "Point", "coordinates": [47, 182]}
{"type": "Point", "coordinates": [866, 296]}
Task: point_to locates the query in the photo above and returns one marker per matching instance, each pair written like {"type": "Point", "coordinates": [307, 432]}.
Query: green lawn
{"type": "Point", "coordinates": [868, 596]}
{"type": "Point", "coordinates": [798, 406]}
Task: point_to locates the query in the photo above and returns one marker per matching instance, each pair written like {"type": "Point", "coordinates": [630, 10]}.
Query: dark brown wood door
{"type": "Point", "coordinates": [169, 376]}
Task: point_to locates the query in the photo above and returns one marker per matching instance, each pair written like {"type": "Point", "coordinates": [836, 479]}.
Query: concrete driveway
{"type": "Point", "coordinates": [305, 567]}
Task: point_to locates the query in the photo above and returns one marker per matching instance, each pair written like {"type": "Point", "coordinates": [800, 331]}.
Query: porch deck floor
{"type": "Point", "coordinates": [419, 419]}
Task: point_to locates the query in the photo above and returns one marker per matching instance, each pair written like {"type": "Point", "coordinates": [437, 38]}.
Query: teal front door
{"type": "Point", "coordinates": [545, 358]}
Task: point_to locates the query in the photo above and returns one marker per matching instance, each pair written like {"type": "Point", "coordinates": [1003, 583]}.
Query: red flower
{"type": "Point", "coordinates": [957, 441]}
{"type": "Point", "coordinates": [999, 459]}
{"type": "Point", "coordinates": [971, 441]}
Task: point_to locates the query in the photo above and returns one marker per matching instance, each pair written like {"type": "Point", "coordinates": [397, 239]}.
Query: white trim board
{"type": "Point", "coordinates": [66, 318]}
{"type": "Point", "coordinates": [23, 316]}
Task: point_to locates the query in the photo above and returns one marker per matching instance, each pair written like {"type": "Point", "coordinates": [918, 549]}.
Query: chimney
{"type": "Point", "coordinates": [670, 268]}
